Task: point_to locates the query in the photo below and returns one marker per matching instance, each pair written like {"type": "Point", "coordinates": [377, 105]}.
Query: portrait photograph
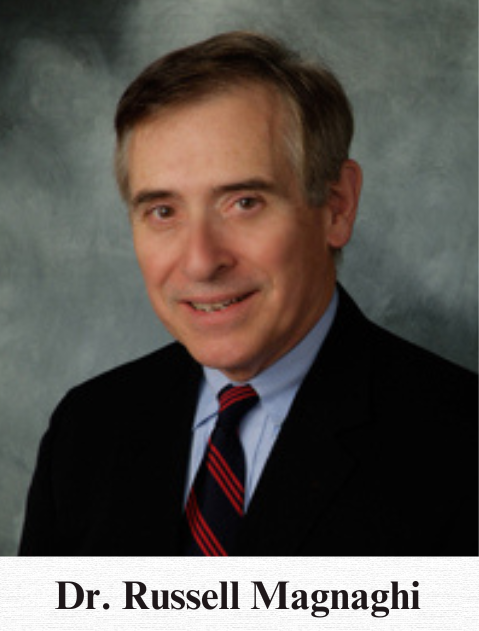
{"type": "Point", "coordinates": [239, 285]}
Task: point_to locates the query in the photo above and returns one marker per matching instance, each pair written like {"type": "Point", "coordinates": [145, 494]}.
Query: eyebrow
{"type": "Point", "coordinates": [252, 184]}
{"type": "Point", "coordinates": [144, 197]}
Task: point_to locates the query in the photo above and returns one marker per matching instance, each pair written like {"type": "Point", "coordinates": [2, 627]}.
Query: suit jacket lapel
{"type": "Point", "coordinates": [153, 459]}
{"type": "Point", "coordinates": [310, 462]}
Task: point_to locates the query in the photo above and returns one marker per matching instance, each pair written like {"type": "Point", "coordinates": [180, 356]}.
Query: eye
{"type": "Point", "coordinates": [162, 212]}
{"type": "Point", "coordinates": [247, 203]}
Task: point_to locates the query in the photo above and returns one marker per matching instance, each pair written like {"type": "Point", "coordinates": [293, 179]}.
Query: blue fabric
{"type": "Point", "coordinates": [276, 387]}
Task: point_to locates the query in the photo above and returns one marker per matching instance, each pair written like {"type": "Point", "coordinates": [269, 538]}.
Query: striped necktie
{"type": "Point", "coordinates": [216, 500]}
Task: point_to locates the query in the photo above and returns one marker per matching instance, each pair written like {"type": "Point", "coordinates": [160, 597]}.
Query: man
{"type": "Point", "coordinates": [232, 156]}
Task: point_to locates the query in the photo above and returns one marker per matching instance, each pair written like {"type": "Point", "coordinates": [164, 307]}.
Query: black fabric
{"type": "Point", "coordinates": [378, 456]}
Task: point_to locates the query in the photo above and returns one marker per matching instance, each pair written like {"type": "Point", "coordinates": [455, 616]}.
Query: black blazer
{"type": "Point", "coordinates": [378, 456]}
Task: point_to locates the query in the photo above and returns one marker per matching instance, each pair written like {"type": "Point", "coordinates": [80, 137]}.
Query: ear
{"type": "Point", "coordinates": [342, 203]}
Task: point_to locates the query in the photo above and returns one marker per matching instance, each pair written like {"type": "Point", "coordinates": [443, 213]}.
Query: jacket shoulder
{"type": "Point", "coordinates": [401, 364]}
{"type": "Point", "coordinates": [131, 390]}
{"type": "Point", "coordinates": [164, 365]}
{"type": "Point", "coordinates": [399, 373]}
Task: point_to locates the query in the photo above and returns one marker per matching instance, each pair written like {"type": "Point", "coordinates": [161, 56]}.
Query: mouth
{"type": "Point", "coordinates": [211, 307]}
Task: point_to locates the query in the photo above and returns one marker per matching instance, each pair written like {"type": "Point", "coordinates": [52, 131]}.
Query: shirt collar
{"type": "Point", "coordinates": [278, 384]}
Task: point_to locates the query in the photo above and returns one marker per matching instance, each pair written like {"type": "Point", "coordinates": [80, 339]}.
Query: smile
{"type": "Point", "coordinates": [209, 307]}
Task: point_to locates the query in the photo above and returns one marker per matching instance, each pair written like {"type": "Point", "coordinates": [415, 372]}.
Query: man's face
{"type": "Point", "coordinates": [236, 263]}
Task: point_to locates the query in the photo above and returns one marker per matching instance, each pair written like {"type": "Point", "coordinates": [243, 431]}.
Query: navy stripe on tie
{"type": "Point", "coordinates": [215, 504]}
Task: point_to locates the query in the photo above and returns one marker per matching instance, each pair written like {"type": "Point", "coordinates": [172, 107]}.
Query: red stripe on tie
{"type": "Point", "coordinates": [238, 397]}
{"type": "Point", "coordinates": [232, 393]}
{"type": "Point", "coordinates": [195, 534]}
{"type": "Point", "coordinates": [233, 501]}
{"type": "Point", "coordinates": [201, 530]}
{"type": "Point", "coordinates": [193, 522]}
{"type": "Point", "coordinates": [229, 473]}
{"type": "Point", "coordinates": [232, 484]}
{"type": "Point", "coordinates": [199, 534]}
{"type": "Point", "coordinates": [206, 530]}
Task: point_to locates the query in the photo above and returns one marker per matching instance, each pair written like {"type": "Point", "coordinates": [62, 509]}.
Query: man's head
{"type": "Point", "coordinates": [321, 123]}
{"type": "Point", "coordinates": [235, 217]}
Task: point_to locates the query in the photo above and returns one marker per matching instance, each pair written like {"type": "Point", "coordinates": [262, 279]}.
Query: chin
{"type": "Point", "coordinates": [235, 367]}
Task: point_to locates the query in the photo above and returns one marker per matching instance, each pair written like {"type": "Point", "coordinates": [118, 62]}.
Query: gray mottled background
{"type": "Point", "coordinates": [71, 298]}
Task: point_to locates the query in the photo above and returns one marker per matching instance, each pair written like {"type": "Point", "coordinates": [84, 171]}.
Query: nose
{"type": "Point", "coordinates": [206, 252]}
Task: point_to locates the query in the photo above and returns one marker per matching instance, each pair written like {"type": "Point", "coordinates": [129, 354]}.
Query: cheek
{"type": "Point", "coordinates": [288, 257]}
{"type": "Point", "coordinates": [302, 270]}
{"type": "Point", "coordinates": [146, 261]}
{"type": "Point", "coordinates": [153, 258]}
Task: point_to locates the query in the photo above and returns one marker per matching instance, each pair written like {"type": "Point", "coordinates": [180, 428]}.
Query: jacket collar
{"type": "Point", "coordinates": [303, 477]}
{"type": "Point", "coordinates": [310, 461]}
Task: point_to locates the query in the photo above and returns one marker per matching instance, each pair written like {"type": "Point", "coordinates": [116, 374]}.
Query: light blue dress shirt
{"type": "Point", "coordinates": [276, 387]}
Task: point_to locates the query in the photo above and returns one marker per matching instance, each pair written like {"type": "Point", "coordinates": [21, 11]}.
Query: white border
{"type": "Point", "coordinates": [448, 592]}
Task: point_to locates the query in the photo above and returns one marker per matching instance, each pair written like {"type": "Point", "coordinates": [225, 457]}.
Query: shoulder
{"type": "Point", "coordinates": [400, 357]}
{"type": "Point", "coordinates": [422, 384]}
{"type": "Point", "coordinates": [396, 352]}
{"type": "Point", "coordinates": [163, 366]}
{"type": "Point", "coordinates": [402, 373]}
{"type": "Point", "coordinates": [130, 390]}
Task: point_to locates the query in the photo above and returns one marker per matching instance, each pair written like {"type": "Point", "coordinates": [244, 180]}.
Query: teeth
{"type": "Point", "coordinates": [209, 307]}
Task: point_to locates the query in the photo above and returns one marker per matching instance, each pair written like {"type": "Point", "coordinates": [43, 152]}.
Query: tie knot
{"type": "Point", "coordinates": [235, 402]}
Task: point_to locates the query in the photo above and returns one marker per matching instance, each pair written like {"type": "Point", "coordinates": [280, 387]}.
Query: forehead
{"type": "Point", "coordinates": [243, 128]}
{"type": "Point", "coordinates": [265, 96]}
